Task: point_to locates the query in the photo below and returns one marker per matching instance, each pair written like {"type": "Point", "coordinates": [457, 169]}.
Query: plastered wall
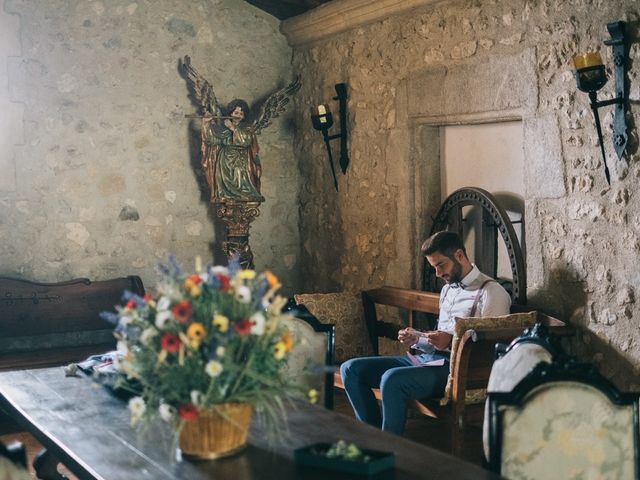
{"type": "Point", "coordinates": [459, 62]}
{"type": "Point", "coordinates": [97, 162]}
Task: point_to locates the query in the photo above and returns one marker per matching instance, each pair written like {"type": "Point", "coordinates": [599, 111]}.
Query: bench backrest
{"type": "Point", "coordinates": [45, 315]}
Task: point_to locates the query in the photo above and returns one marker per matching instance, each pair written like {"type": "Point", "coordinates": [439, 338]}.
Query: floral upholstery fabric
{"type": "Point", "coordinates": [345, 311]}
{"type": "Point", "coordinates": [568, 430]}
{"type": "Point", "coordinates": [307, 359]}
{"type": "Point", "coordinates": [469, 323]}
{"type": "Point", "coordinates": [507, 372]}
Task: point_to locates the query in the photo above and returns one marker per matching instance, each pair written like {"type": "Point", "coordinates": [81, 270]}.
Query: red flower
{"type": "Point", "coordinates": [131, 304]}
{"type": "Point", "coordinates": [170, 342]}
{"type": "Point", "coordinates": [243, 327]}
{"type": "Point", "coordinates": [195, 279]}
{"type": "Point", "coordinates": [188, 412]}
{"type": "Point", "coordinates": [182, 311]}
{"type": "Point", "coordinates": [225, 283]}
{"type": "Point", "coordinates": [147, 297]}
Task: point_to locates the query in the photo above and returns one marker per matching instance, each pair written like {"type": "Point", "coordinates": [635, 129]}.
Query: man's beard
{"type": "Point", "coordinates": [456, 272]}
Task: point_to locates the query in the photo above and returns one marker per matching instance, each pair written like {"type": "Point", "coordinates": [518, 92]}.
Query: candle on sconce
{"type": "Point", "coordinates": [322, 114]}
{"type": "Point", "coordinates": [198, 265]}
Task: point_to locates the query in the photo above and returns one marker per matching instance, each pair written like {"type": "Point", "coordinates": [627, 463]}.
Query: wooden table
{"type": "Point", "coordinates": [87, 428]}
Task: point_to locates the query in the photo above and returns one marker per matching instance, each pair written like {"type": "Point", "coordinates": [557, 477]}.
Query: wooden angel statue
{"type": "Point", "coordinates": [230, 159]}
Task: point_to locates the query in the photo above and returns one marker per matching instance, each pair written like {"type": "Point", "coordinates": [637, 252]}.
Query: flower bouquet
{"type": "Point", "coordinates": [204, 346]}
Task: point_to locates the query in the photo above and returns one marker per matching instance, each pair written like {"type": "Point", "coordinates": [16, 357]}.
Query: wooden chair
{"type": "Point", "coordinates": [564, 420]}
{"type": "Point", "coordinates": [473, 353]}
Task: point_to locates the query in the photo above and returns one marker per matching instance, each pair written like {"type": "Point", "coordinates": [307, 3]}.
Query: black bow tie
{"type": "Point", "coordinates": [457, 285]}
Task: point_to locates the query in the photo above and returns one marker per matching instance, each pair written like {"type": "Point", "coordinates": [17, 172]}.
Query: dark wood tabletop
{"type": "Point", "coordinates": [87, 428]}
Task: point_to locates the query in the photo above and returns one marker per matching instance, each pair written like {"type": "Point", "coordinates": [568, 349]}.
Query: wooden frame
{"type": "Point", "coordinates": [472, 364]}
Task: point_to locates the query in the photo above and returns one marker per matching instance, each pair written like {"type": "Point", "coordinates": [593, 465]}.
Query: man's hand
{"type": "Point", "coordinates": [439, 339]}
{"type": "Point", "coordinates": [408, 336]}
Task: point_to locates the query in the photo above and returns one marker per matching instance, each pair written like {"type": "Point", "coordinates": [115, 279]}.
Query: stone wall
{"type": "Point", "coordinates": [424, 63]}
{"type": "Point", "coordinates": [98, 178]}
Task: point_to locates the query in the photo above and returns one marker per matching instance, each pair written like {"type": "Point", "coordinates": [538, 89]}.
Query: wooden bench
{"type": "Point", "coordinates": [470, 367]}
{"type": "Point", "coordinates": [51, 324]}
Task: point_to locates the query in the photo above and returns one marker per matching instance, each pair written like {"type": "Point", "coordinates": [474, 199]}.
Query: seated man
{"type": "Point", "coordinates": [468, 293]}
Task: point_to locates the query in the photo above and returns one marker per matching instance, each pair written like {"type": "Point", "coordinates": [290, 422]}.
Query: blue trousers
{"type": "Point", "coordinates": [399, 381]}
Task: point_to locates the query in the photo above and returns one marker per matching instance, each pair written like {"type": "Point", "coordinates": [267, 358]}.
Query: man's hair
{"type": "Point", "coordinates": [444, 242]}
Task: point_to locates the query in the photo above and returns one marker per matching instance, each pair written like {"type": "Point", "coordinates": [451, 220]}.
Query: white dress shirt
{"type": "Point", "coordinates": [456, 300]}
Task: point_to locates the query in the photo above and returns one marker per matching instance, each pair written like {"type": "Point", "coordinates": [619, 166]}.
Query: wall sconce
{"type": "Point", "coordinates": [323, 120]}
{"type": "Point", "coordinates": [591, 77]}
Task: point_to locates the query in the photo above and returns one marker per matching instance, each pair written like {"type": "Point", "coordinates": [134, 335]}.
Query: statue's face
{"type": "Point", "coordinates": [237, 114]}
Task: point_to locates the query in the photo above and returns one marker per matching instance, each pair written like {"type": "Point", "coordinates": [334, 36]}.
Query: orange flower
{"type": "Point", "coordinates": [272, 280]}
{"type": "Point", "coordinates": [191, 285]}
{"type": "Point", "coordinates": [287, 339]}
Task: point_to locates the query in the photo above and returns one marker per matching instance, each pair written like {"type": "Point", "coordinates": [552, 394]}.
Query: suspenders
{"type": "Point", "coordinates": [472, 313]}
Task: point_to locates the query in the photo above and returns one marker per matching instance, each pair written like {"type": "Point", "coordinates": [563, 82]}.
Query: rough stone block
{"type": "Point", "coordinates": [497, 84]}
{"type": "Point", "coordinates": [544, 164]}
{"type": "Point", "coordinates": [11, 133]}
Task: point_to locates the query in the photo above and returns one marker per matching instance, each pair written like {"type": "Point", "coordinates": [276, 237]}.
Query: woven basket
{"type": "Point", "coordinates": [219, 431]}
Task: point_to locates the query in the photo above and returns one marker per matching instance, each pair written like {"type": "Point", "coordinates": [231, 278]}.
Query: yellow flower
{"type": "Point", "coordinates": [313, 395]}
{"type": "Point", "coordinates": [246, 275]}
{"type": "Point", "coordinates": [196, 333]}
{"type": "Point", "coordinates": [220, 322]}
{"type": "Point", "coordinates": [279, 350]}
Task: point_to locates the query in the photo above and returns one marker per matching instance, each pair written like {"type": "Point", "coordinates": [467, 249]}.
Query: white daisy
{"type": "Point", "coordinates": [219, 270]}
{"type": "Point", "coordinates": [197, 397]}
{"type": "Point", "coordinates": [147, 334]}
{"type": "Point", "coordinates": [257, 323]}
{"type": "Point", "coordinates": [213, 368]}
{"type": "Point", "coordinates": [243, 294]}
{"type": "Point", "coordinates": [162, 318]}
{"type": "Point", "coordinates": [163, 303]}
{"type": "Point", "coordinates": [137, 407]}
{"type": "Point", "coordinates": [166, 411]}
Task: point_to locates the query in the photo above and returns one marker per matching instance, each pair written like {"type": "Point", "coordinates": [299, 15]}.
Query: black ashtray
{"type": "Point", "coordinates": [315, 456]}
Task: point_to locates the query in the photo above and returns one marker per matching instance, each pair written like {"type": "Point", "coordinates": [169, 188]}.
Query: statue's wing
{"type": "Point", "coordinates": [275, 104]}
{"type": "Point", "coordinates": [201, 90]}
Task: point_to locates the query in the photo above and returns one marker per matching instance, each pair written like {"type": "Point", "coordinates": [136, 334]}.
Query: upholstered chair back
{"type": "Point", "coordinates": [310, 358]}
{"type": "Point", "coordinates": [560, 422]}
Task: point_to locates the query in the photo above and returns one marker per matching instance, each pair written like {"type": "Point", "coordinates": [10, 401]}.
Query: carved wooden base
{"type": "Point", "coordinates": [237, 217]}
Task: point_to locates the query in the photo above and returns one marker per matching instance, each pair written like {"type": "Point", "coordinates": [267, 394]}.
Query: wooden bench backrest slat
{"type": "Point", "coordinates": [30, 308]}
